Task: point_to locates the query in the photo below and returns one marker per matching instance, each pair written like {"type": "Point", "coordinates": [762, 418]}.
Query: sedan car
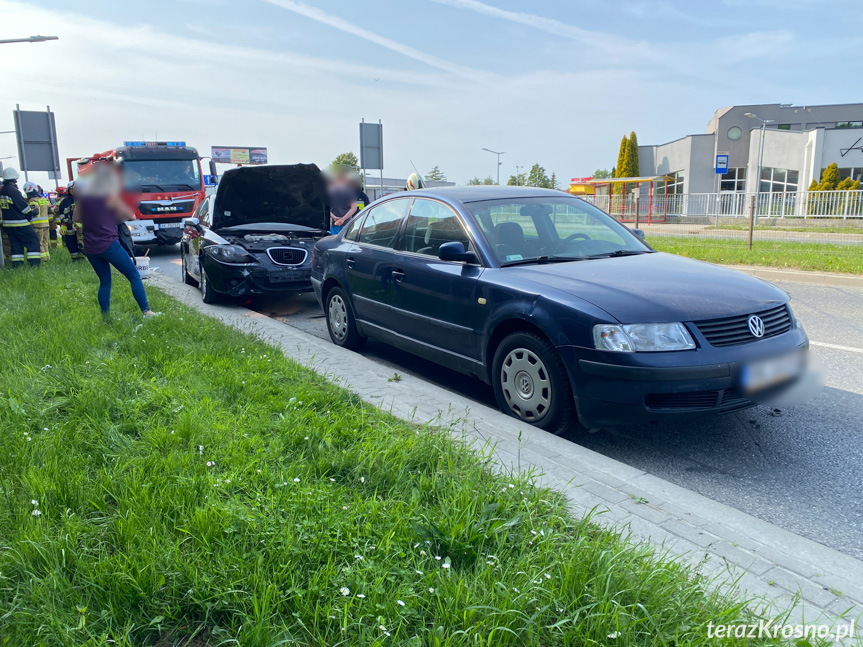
{"type": "Point", "coordinates": [566, 312]}
{"type": "Point", "coordinates": [256, 235]}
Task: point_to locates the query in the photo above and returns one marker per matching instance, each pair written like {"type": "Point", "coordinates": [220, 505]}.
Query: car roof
{"type": "Point", "coordinates": [467, 194]}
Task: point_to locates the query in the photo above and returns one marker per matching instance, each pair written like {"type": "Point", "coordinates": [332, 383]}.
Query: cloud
{"type": "Point", "coordinates": [335, 22]}
{"type": "Point", "coordinates": [609, 44]}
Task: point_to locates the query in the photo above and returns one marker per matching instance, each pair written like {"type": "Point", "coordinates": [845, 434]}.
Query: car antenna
{"type": "Point", "coordinates": [415, 168]}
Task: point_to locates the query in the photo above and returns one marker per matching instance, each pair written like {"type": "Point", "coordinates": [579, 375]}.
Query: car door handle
{"type": "Point", "coordinates": [398, 275]}
{"type": "Point", "coordinates": [350, 261]}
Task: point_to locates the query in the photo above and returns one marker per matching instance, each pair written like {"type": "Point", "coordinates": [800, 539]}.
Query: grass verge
{"type": "Point", "coordinates": [819, 257]}
{"type": "Point", "coordinates": [816, 229]}
{"type": "Point", "coordinates": [171, 481]}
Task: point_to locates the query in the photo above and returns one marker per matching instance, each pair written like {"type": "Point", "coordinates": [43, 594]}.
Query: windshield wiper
{"type": "Point", "coordinates": [155, 186]}
{"type": "Point", "coordinates": [619, 252]}
{"type": "Point", "coordinates": [542, 260]}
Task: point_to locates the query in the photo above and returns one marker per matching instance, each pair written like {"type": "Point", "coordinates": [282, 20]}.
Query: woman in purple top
{"type": "Point", "coordinates": [100, 209]}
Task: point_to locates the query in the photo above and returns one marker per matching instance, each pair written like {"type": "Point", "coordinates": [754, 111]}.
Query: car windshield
{"type": "Point", "coordinates": [551, 229]}
{"type": "Point", "coordinates": [154, 176]}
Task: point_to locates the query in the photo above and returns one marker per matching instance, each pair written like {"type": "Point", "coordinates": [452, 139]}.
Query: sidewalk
{"type": "Point", "coordinates": [772, 564]}
{"type": "Point", "coordinates": [833, 279]}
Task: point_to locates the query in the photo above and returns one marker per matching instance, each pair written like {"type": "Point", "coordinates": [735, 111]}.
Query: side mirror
{"type": "Point", "coordinates": [194, 223]}
{"type": "Point", "coordinates": [454, 251]}
{"type": "Point", "coordinates": [639, 233]}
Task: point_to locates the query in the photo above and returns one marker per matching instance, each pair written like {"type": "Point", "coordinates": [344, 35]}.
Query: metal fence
{"type": "Point", "coordinates": [804, 205]}
{"type": "Point", "coordinates": [816, 230]}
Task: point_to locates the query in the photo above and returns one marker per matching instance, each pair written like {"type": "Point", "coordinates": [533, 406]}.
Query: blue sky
{"type": "Point", "coordinates": [554, 82]}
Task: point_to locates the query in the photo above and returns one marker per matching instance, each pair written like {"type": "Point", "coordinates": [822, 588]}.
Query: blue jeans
{"type": "Point", "coordinates": [118, 257]}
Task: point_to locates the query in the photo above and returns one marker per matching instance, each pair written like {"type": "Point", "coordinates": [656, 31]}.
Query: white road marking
{"type": "Point", "coordinates": [850, 349]}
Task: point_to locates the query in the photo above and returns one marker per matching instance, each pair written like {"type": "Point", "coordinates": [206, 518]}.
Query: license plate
{"type": "Point", "coordinates": [170, 225]}
{"type": "Point", "coordinates": [284, 277]}
{"type": "Point", "coordinates": [762, 374]}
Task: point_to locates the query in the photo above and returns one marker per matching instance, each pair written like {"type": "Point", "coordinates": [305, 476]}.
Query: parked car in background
{"type": "Point", "coordinates": [255, 236]}
{"type": "Point", "coordinates": [564, 311]}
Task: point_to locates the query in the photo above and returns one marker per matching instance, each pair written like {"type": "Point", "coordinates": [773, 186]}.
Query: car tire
{"type": "Point", "coordinates": [531, 384]}
{"type": "Point", "coordinates": [341, 322]}
{"type": "Point", "coordinates": [208, 294]}
{"type": "Point", "coordinates": [187, 278]}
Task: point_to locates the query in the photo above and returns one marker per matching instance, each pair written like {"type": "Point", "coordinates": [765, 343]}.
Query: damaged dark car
{"type": "Point", "coordinates": [255, 236]}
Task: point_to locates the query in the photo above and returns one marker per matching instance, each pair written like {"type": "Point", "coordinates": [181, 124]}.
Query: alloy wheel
{"type": "Point", "coordinates": [526, 385]}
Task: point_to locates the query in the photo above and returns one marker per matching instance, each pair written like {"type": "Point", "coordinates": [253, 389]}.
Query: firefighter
{"type": "Point", "coordinates": [68, 229]}
{"type": "Point", "coordinates": [53, 220]}
{"type": "Point", "coordinates": [414, 182]}
{"type": "Point", "coordinates": [16, 216]}
{"type": "Point", "coordinates": [41, 219]}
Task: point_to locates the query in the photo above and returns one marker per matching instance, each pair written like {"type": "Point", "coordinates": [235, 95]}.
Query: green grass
{"type": "Point", "coordinates": [821, 257]}
{"type": "Point", "coordinates": [850, 229]}
{"type": "Point", "coordinates": [195, 488]}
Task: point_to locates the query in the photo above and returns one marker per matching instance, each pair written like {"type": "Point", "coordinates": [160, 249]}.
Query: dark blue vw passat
{"type": "Point", "coordinates": [562, 309]}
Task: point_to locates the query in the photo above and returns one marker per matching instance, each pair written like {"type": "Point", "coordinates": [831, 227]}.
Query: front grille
{"type": "Point", "coordinates": [287, 255]}
{"type": "Point", "coordinates": [720, 400]}
{"type": "Point", "coordinates": [165, 208]}
{"type": "Point", "coordinates": [730, 331]}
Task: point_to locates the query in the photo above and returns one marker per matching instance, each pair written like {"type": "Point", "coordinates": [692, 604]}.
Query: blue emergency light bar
{"type": "Point", "coordinates": [151, 144]}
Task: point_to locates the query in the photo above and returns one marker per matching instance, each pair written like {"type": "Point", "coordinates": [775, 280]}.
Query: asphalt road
{"type": "Point", "coordinates": [800, 468]}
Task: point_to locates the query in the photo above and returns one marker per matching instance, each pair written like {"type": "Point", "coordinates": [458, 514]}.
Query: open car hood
{"type": "Point", "coordinates": [288, 194]}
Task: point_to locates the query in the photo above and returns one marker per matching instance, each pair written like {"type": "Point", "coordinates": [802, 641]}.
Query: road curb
{"type": "Point", "coordinates": [800, 276]}
{"type": "Point", "coordinates": [772, 565]}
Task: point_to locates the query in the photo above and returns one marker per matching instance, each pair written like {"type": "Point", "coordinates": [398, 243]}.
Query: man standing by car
{"type": "Point", "coordinates": [343, 201]}
{"type": "Point", "coordinates": [16, 217]}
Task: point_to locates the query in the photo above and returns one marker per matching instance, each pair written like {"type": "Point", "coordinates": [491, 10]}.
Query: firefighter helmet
{"type": "Point", "coordinates": [10, 174]}
{"type": "Point", "coordinates": [415, 182]}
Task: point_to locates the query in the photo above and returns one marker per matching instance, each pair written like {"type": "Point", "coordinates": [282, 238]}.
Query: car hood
{"type": "Point", "coordinates": [657, 287]}
{"type": "Point", "coordinates": [291, 194]}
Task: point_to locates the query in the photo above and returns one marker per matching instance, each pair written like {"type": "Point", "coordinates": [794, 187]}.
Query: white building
{"type": "Point", "coordinates": [799, 142]}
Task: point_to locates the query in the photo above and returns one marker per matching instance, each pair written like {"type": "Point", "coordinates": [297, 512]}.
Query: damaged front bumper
{"type": "Point", "coordinates": [151, 232]}
{"type": "Point", "coordinates": [253, 280]}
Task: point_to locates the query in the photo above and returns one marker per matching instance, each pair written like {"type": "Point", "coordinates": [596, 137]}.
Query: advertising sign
{"type": "Point", "coordinates": [239, 155]}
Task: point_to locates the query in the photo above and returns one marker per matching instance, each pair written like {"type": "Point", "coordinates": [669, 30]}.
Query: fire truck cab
{"type": "Point", "coordinates": [166, 180]}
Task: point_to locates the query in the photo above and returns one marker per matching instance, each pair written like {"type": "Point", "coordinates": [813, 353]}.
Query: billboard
{"type": "Point", "coordinates": [371, 146]}
{"type": "Point", "coordinates": [239, 155]}
{"type": "Point", "coordinates": [37, 140]}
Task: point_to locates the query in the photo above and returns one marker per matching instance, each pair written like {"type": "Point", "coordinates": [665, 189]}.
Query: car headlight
{"type": "Point", "coordinates": [644, 338]}
{"type": "Point", "coordinates": [231, 254]}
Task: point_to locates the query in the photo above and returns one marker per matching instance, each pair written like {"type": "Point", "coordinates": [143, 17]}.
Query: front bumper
{"type": "Point", "coordinates": [150, 232]}
{"type": "Point", "coordinates": [252, 280]}
{"type": "Point", "coordinates": [621, 388]}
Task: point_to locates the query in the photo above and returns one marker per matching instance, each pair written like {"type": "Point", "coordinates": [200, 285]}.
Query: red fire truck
{"type": "Point", "coordinates": [168, 178]}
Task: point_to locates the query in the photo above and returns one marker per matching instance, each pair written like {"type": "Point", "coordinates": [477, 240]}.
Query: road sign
{"type": "Point", "coordinates": [371, 146]}
{"type": "Point", "coordinates": [210, 180]}
{"type": "Point", "coordinates": [722, 163]}
{"type": "Point", "coordinates": [37, 140]}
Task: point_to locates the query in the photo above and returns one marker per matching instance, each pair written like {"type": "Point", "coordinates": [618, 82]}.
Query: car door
{"type": "Point", "coordinates": [369, 261]}
{"type": "Point", "coordinates": [434, 301]}
{"type": "Point", "coordinates": [195, 237]}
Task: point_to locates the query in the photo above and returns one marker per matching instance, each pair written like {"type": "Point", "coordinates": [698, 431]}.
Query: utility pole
{"type": "Point", "coordinates": [498, 161]}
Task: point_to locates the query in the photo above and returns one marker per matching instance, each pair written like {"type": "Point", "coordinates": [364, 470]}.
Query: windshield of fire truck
{"type": "Point", "coordinates": [157, 176]}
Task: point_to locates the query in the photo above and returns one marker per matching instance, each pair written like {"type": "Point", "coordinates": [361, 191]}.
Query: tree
{"type": "Point", "coordinates": [517, 180]}
{"type": "Point", "coordinates": [489, 180]}
{"type": "Point", "coordinates": [554, 184]}
{"type": "Point", "coordinates": [831, 180]}
{"type": "Point", "coordinates": [436, 175]}
{"type": "Point", "coordinates": [346, 159]}
{"type": "Point", "coordinates": [538, 177]}
{"type": "Point", "coordinates": [621, 163]}
{"type": "Point", "coordinates": [630, 160]}
{"type": "Point", "coordinates": [602, 174]}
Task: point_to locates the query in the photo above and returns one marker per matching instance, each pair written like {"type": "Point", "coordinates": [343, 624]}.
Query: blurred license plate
{"type": "Point", "coordinates": [285, 277]}
{"type": "Point", "coordinates": [170, 225]}
{"type": "Point", "coordinates": [760, 375]}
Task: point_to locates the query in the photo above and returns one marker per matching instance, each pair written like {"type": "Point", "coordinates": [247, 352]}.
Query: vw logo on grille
{"type": "Point", "coordinates": [756, 326]}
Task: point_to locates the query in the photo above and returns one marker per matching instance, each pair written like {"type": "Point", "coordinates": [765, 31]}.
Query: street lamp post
{"type": "Point", "coordinates": [498, 161]}
{"type": "Point", "coordinates": [29, 39]}
{"type": "Point", "coordinates": [764, 123]}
